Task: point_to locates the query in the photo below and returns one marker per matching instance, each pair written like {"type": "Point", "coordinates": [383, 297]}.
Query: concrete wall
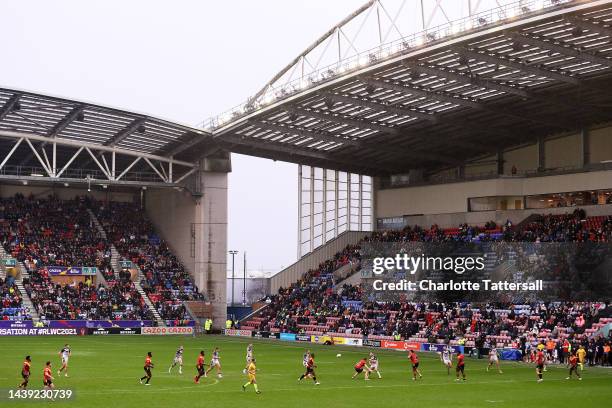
{"type": "Point", "coordinates": [524, 159]}
{"type": "Point", "coordinates": [600, 145]}
{"type": "Point", "coordinates": [173, 213]}
{"type": "Point", "coordinates": [453, 198]}
{"type": "Point", "coordinates": [292, 273]}
{"type": "Point", "coordinates": [563, 152]}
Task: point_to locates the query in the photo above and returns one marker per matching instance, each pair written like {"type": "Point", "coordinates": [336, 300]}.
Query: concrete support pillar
{"type": "Point", "coordinates": [461, 171]}
{"type": "Point", "coordinates": [586, 147]}
{"type": "Point", "coordinates": [211, 236]}
{"type": "Point", "coordinates": [500, 162]}
{"type": "Point", "coordinates": [541, 154]}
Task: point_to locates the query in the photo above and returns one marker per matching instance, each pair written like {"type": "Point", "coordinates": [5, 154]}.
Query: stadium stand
{"type": "Point", "coordinates": [315, 306]}
{"type": "Point", "coordinates": [53, 232]}
{"type": "Point", "coordinates": [165, 280]}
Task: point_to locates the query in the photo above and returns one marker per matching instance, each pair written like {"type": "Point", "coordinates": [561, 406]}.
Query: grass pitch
{"type": "Point", "coordinates": [104, 372]}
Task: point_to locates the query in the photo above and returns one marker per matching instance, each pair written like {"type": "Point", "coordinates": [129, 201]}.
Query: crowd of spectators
{"type": "Point", "coordinates": [316, 305]}
{"type": "Point", "coordinates": [11, 305]}
{"type": "Point", "coordinates": [85, 300]}
{"type": "Point", "coordinates": [43, 232]}
{"type": "Point", "coordinates": [165, 280]}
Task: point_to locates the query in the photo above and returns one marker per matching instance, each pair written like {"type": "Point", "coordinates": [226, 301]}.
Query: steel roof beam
{"type": "Point", "coordinates": [321, 136]}
{"type": "Point", "coordinates": [414, 90]}
{"type": "Point", "coordinates": [381, 107]}
{"type": "Point", "coordinates": [291, 153]}
{"type": "Point", "coordinates": [94, 147]}
{"type": "Point", "coordinates": [469, 80]}
{"type": "Point", "coordinates": [197, 139]}
{"type": "Point", "coordinates": [445, 97]}
{"type": "Point", "coordinates": [555, 46]}
{"type": "Point", "coordinates": [588, 25]}
{"type": "Point", "coordinates": [332, 117]}
{"type": "Point", "coordinates": [68, 119]}
{"type": "Point", "coordinates": [128, 130]}
{"type": "Point", "coordinates": [497, 59]}
{"type": "Point", "coordinates": [356, 144]}
{"type": "Point", "coordinates": [9, 105]}
{"type": "Point", "coordinates": [570, 103]}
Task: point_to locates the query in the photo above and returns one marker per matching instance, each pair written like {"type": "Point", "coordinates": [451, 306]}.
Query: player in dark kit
{"type": "Point", "coordinates": [460, 366]}
{"type": "Point", "coordinates": [310, 366]}
{"type": "Point", "coordinates": [47, 377]}
{"type": "Point", "coordinates": [147, 368]}
{"type": "Point", "coordinates": [360, 367]}
{"type": "Point", "coordinates": [200, 367]}
{"type": "Point", "coordinates": [414, 359]}
{"type": "Point", "coordinates": [25, 372]}
{"type": "Point", "coordinates": [539, 360]}
{"type": "Point", "coordinates": [573, 363]}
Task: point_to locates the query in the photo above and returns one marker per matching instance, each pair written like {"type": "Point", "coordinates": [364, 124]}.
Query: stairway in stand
{"type": "Point", "coordinates": [25, 298]}
{"type": "Point", "coordinates": [158, 318]}
{"type": "Point", "coordinates": [115, 259]}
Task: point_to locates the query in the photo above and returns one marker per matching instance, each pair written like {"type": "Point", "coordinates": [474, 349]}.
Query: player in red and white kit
{"type": "Point", "coordinates": [360, 367]}
{"type": "Point", "coordinates": [414, 359]}
{"type": "Point", "coordinates": [460, 366]}
{"type": "Point", "coordinates": [539, 360]}
{"type": "Point", "coordinates": [310, 366]}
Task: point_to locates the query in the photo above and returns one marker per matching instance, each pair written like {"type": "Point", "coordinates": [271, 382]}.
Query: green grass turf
{"type": "Point", "coordinates": [104, 372]}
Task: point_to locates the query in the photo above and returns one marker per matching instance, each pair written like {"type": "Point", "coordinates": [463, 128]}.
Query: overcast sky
{"type": "Point", "coordinates": [183, 61]}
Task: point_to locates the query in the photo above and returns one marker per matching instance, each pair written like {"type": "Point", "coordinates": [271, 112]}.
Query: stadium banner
{"type": "Point", "coordinates": [9, 262]}
{"type": "Point", "coordinates": [38, 331]}
{"type": "Point", "coordinates": [371, 343]}
{"type": "Point", "coordinates": [167, 331]}
{"type": "Point", "coordinates": [76, 324]}
{"type": "Point", "coordinates": [16, 324]}
{"type": "Point", "coordinates": [351, 341]}
{"type": "Point", "coordinates": [302, 337]}
{"type": "Point", "coordinates": [126, 264]}
{"type": "Point", "coordinates": [438, 348]}
{"type": "Point", "coordinates": [101, 331]}
{"type": "Point", "coordinates": [325, 339]}
{"type": "Point", "coordinates": [287, 337]}
{"type": "Point", "coordinates": [265, 335]}
{"type": "Point", "coordinates": [72, 270]}
{"type": "Point", "coordinates": [178, 323]}
{"type": "Point", "coordinates": [400, 345]}
{"type": "Point", "coordinates": [511, 354]}
{"type": "Point", "coordinates": [238, 333]}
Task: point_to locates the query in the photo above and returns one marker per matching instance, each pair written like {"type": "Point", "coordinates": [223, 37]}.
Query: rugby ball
{"type": "Point", "coordinates": [338, 355]}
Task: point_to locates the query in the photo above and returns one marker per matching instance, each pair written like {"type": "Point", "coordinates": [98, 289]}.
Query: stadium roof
{"type": "Point", "coordinates": [44, 137]}
{"type": "Point", "coordinates": [438, 98]}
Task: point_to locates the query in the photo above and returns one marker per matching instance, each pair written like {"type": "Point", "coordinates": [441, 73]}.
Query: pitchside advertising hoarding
{"type": "Point", "coordinates": [346, 341]}
{"type": "Point", "coordinates": [89, 327]}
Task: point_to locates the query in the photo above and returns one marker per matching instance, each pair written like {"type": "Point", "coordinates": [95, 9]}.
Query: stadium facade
{"type": "Point", "coordinates": [499, 114]}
